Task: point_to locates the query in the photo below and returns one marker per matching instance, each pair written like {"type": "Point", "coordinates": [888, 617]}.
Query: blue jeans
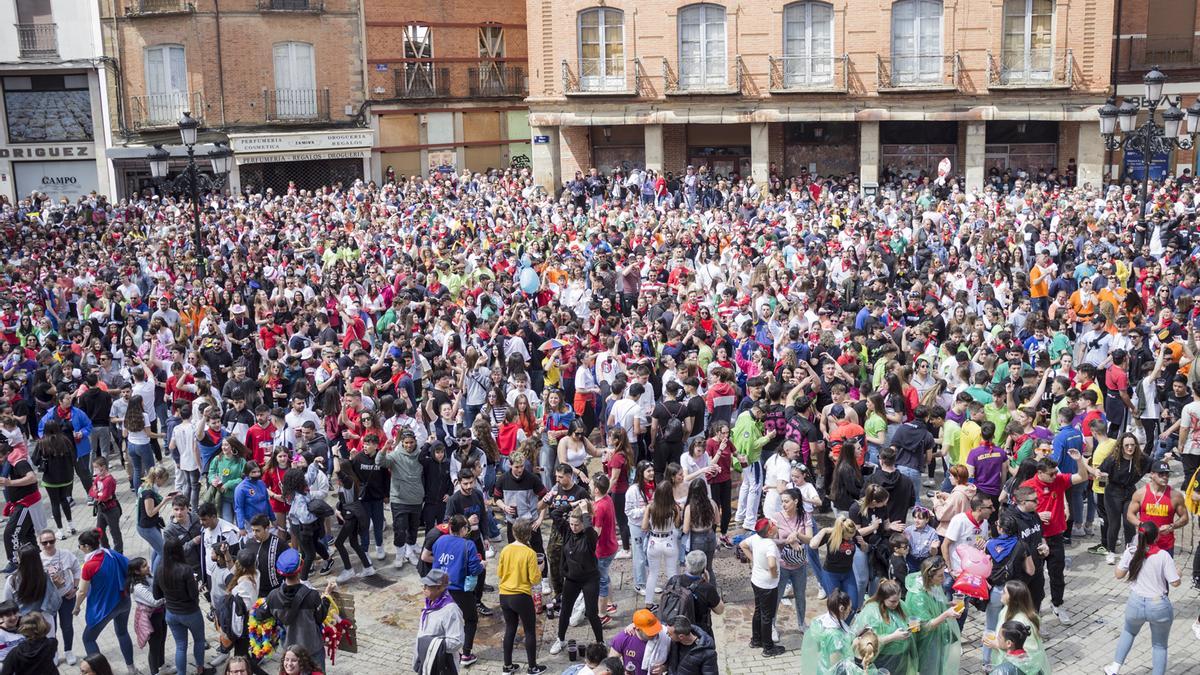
{"type": "Point", "coordinates": [798, 578]}
{"type": "Point", "coordinates": [154, 537]}
{"type": "Point", "coordinates": [120, 620]}
{"type": "Point", "coordinates": [469, 413]}
{"type": "Point", "coordinates": [1160, 614]}
{"type": "Point", "coordinates": [992, 619]}
{"type": "Point", "coordinates": [638, 546]}
{"type": "Point", "coordinates": [180, 625]}
{"type": "Point", "coordinates": [914, 477]}
{"type": "Point", "coordinates": [846, 582]}
{"type": "Point", "coordinates": [227, 511]}
{"type": "Point", "coordinates": [374, 509]}
{"type": "Point", "coordinates": [1075, 501]}
{"type": "Point", "coordinates": [862, 572]}
{"type": "Point", "coordinates": [142, 458]}
{"type": "Point", "coordinates": [603, 564]}
{"type": "Point", "coordinates": [66, 625]}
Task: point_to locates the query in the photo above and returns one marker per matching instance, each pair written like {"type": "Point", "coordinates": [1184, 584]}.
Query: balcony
{"type": "Point", "coordinates": [422, 80]}
{"type": "Point", "coordinates": [296, 105]}
{"type": "Point", "coordinates": [703, 76]}
{"type": "Point", "coordinates": [1136, 55]}
{"type": "Point", "coordinates": [141, 8]}
{"type": "Point", "coordinates": [154, 111]}
{"type": "Point", "coordinates": [925, 72]}
{"type": "Point", "coordinates": [37, 40]}
{"type": "Point", "coordinates": [497, 80]}
{"type": "Point", "coordinates": [596, 77]}
{"type": "Point", "coordinates": [1035, 69]}
{"type": "Point", "coordinates": [809, 74]}
{"type": "Point", "coordinates": [311, 6]}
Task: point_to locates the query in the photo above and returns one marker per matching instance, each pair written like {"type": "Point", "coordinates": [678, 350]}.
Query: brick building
{"type": "Point", "coordinates": [822, 86]}
{"type": "Point", "coordinates": [1166, 34]}
{"type": "Point", "coordinates": [446, 82]}
{"type": "Point", "coordinates": [52, 85]}
{"type": "Point", "coordinates": [280, 81]}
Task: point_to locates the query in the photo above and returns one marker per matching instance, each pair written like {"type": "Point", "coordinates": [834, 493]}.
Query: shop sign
{"type": "Point", "coordinates": [44, 151]}
{"type": "Point", "coordinates": [300, 156]}
{"type": "Point", "coordinates": [300, 142]}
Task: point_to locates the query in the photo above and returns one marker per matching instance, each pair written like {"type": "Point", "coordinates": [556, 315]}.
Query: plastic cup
{"type": "Point", "coordinates": [914, 625]}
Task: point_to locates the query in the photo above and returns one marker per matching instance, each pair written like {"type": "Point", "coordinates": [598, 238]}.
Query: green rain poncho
{"type": "Point", "coordinates": [827, 642]}
{"type": "Point", "coordinates": [899, 657]}
{"type": "Point", "coordinates": [1034, 660]}
{"type": "Point", "coordinates": [938, 649]}
{"type": "Point", "coordinates": [851, 668]}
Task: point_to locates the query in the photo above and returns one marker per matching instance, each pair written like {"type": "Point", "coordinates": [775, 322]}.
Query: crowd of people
{"type": "Point", "coordinates": [917, 399]}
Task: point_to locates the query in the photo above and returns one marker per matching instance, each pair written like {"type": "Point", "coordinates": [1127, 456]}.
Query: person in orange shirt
{"type": "Point", "coordinates": [845, 429]}
{"type": "Point", "coordinates": [1039, 283]}
{"type": "Point", "coordinates": [1084, 302]}
{"type": "Point", "coordinates": [1113, 291]}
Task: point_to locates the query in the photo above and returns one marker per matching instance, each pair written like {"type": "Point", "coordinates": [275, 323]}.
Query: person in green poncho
{"type": "Point", "coordinates": [938, 641]}
{"type": "Point", "coordinates": [827, 642]}
{"type": "Point", "coordinates": [1019, 608]}
{"type": "Point", "coordinates": [1012, 638]}
{"type": "Point", "coordinates": [884, 615]}
{"type": "Point", "coordinates": [866, 650]}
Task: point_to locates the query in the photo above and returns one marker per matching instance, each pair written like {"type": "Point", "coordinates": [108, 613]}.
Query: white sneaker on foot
{"type": "Point", "coordinates": [398, 563]}
{"type": "Point", "coordinates": [624, 554]}
{"type": "Point", "coordinates": [380, 554]}
{"type": "Point", "coordinates": [1196, 629]}
{"type": "Point", "coordinates": [556, 648]}
{"type": "Point", "coordinates": [1110, 559]}
{"type": "Point", "coordinates": [61, 535]}
{"type": "Point", "coordinates": [345, 576]}
{"type": "Point", "coordinates": [414, 558]}
{"type": "Point", "coordinates": [367, 572]}
{"type": "Point", "coordinates": [71, 660]}
{"type": "Point", "coordinates": [1112, 668]}
{"type": "Point", "coordinates": [821, 594]}
{"type": "Point", "coordinates": [1064, 617]}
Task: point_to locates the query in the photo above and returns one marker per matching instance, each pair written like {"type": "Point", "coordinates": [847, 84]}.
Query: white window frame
{"type": "Point", "coordinates": [925, 63]}
{"type": "Point", "coordinates": [1027, 72]}
{"type": "Point", "coordinates": [710, 70]}
{"type": "Point", "coordinates": [166, 99]}
{"type": "Point", "coordinates": [295, 97]}
{"type": "Point", "coordinates": [806, 68]}
{"type": "Point", "coordinates": [601, 78]}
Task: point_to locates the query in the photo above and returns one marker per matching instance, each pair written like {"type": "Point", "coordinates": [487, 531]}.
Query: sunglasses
{"type": "Point", "coordinates": [48, 542]}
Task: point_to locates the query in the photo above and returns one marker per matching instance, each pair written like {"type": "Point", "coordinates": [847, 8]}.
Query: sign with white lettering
{"type": "Point", "coordinates": [56, 179]}
{"type": "Point", "coordinates": [301, 141]}
{"type": "Point", "coordinates": [44, 151]}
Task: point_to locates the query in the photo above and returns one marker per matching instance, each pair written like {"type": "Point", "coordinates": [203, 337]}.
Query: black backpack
{"type": "Point", "coordinates": [677, 599]}
{"type": "Point", "coordinates": [232, 616]}
{"type": "Point", "coordinates": [673, 431]}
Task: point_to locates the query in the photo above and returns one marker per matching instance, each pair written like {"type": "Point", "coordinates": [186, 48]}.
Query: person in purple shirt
{"type": "Point", "coordinates": [988, 466]}
{"type": "Point", "coordinates": [643, 644]}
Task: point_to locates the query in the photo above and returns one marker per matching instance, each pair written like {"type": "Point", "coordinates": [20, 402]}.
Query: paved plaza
{"type": "Point", "coordinates": [387, 618]}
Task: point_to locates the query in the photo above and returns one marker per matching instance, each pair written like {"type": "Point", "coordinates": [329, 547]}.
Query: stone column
{"type": "Point", "coordinates": [1089, 160]}
{"type": "Point", "coordinates": [868, 153]}
{"type": "Point", "coordinates": [760, 154]}
{"type": "Point", "coordinates": [655, 154]}
{"type": "Point", "coordinates": [545, 158]}
{"type": "Point", "coordinates": [976, 151]}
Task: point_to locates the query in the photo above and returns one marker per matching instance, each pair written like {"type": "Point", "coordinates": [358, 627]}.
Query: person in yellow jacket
{"type": "Point", "coordinates": [519, 574]}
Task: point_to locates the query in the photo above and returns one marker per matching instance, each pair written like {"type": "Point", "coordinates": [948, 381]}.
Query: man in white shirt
{"type": "Point", "coordinates": [299, 414]}
{"type": "Point", "coordinates": [626, 413]}
{"type": "Point", "coordinates": [763, 554]}
{"type": "Point", "coordinates": [967, 528]}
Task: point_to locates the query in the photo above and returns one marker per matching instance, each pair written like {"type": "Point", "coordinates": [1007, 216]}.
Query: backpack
{"type": "Point", "coordinates": [677, 599]}
{"type": "Point", "coordinates": [232, 616]}
{"type": "Point", "coordinates": [673, 431]}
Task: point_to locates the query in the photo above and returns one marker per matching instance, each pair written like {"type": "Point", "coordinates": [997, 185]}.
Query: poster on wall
{"type": "Point", "coordinates": [42, 108]}
{"type": "Point", "coordinates": [443, 160]}
{"type": "Point", "coordinates": [56, 179]}
{"type": "Point", "coordinates": [1135, 166]}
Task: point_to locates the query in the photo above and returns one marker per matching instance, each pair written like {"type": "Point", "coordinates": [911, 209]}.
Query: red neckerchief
{"type": "Point", "coordinates": [63, 413]}
{"type": "Point", "coordinates": [971, 517]}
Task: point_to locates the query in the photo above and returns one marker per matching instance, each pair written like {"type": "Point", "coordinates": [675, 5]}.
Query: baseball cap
{"type": "Point", "coordinates": [761, 523]}
{"type": "Point", "coordinates": [838, 410]}
{"type": "Point", "coordinates": [288, 563]}
{"type": "Point", "coordinates": [645, 620]}
{"type": "Point", "coordinates": [1160, 467]}
{"type": "Point", "coordinates": [440, 578]}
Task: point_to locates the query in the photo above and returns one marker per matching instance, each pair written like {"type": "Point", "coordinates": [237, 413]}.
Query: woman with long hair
{"type": "Point", "coordinates": [869, 514]}
{"type": "Point", "coordinates": [659, 521]}
{"type": "Point", "coordinates": [828, 641]}
{"type": "Point", "coordinates": [1152, 573]}
{"type": "Point", "coordinates": [884, 615]}
{"type": "Point", "coordinates": [31, 587]}
{"type": "Point", "coordinates": [63, 568]}
{"type": "Point", "coordinates": [138, 436]}
{"type": "Point", "coordinates": [149, 614]}
{"type": "Point", "coordinates": [302, 523]}
{"type": "Point", "coordinates": [225, 472]}
{"type": "Point", "coordinates": [243, 585]}
{"type": "Point", "coordinates": [637, 499]}
{"type": "Point", "coordinates": [278, 463]}
{"type": "Point", "coordinates": [793, 533]}
{"type": "Point", "coordinates": [939, 647]}
{"type": "Point", "coordinates": [847, 486]}
{"type": "Point", "coordinates": [1019, 608]}
{"type": "Point", "coordinates": [875, 427]}
{"type": "Point", "coordinates": [297, 661]}
{"type": "Point", "coordinates": [176, 582]}
{"type": "Point", "coordinates": [841, 542]}
{"type": "Point", "coordinates": [719, 448]}
{"type": "Point", "coordinates": [1123, 470]}
{"type": "Point", "coordinates": [54, 457]}
{"type": "Point", "coordinates": [617, 462]}
{"type": "Point", "coordinates": [700, 524]}
{"type": "Point", "coordinates": [353, 518]}
{"type": "Point", "coordinates": [149, 501]}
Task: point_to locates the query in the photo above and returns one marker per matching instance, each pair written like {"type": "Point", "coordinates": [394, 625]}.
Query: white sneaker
{"type": "Point", "coordinates": [414, 558]}
{"type": "Point", "coordinates": [1064, 617]}
{"type": "Point", "coordinates": [1110, 558]}
{"type": "Point", "coordinates": [786, 602]}
{"type": "Point", "coordinates": [398, 563]}
{"type": "Point", "coordinates": [821, 594]}
{"type": "Point", "coordinates": [624, 554]}
{"type": "Point", "coordinates": [345, 576]}
{"type": "Point", "coordinates": [61, 535]}
{"type": "Point", "coordinates": [132, 670]}
{"type": "Point", "coordinates": [556, 648]}
{"type": "Point", "coordinates": [545, 588]}
{"type": "Point", "coordinates": [367, 572]}
{"type": "Point", "coordinates": [380, 554]}
{"type": "Point", "coordinates": [1112, 668]}
{"type": "Point", "coordinates": [1196, 628]}
{"type": "Point", "coordinates": [774, 634]}
{"type": "Point", "coordinates": [71, 660]}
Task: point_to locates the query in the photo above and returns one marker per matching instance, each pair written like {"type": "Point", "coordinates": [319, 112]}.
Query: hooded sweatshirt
{"type": "Point", "coordinates": [32, 656]}
{"type": "Point", "coordinates": [407, 482]}
{"type": "Point", "coordinates": [297, 607]}
{"type": "Point", "coordinates": [901, 497]}
{"type": "Point", "coordinates": [698, 659]}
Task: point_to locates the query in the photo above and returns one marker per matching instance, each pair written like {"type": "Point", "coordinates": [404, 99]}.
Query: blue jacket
{"type": "Point", "coordinates": [249, 500]}
{"type": "Point", "coordinates": [1065, 439]}
{"type": "Point", "coordinates": [458, 557]}
{"type": "Point", "coordinates": [80, 424]}
{"type": "Point", "coordinates": [207, 449]}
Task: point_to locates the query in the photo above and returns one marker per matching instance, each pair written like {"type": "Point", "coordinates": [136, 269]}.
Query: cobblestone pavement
{"type": "Point", "coordinates": [387, 618]}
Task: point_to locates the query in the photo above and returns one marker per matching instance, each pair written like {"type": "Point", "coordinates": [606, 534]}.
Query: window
{"type": "Point", "coordinates": [807, 44]}
{"type": "Point", "coordinates": [602, 49]}
{"type": "Point", "coordinates": [702, 47]}
{"type": "Point", "coordinates": [166, 84]}
{"type": "Point", "coordinates": [41, 108]}
{"type": "Point", "coordinates": [491, 64]}
{"type": "Point", "coordinates": [418, 76]}
{"type": "Point", "coordinates": [1028, 48]}
{"type": "Point", "coordinates": [295, 81]}
{"type": "Point", "coordinates": [917, 42]}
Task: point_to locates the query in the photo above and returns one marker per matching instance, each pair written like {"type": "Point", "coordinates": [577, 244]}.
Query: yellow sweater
{"type": "Point", "coordinates": [518, 570]}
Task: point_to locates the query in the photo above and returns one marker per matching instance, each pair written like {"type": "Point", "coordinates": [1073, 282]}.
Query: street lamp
{"type": "Point", "coordinates": [1150, 138]}
{"type": "Point", "coordinates": [191, 180]}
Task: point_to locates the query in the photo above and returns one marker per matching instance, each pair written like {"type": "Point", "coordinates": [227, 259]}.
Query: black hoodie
{"type": "Point", "coordinates": [32, 656]}
{"type": "Point", "coordinates": [901, 496]}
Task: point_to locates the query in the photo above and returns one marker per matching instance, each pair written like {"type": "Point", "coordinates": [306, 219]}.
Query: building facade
{"type": "Point", "coordinates": [829, 87]}
{"type": "Point", "coordinates": [1166, 34]}
{"type": "Point", "coordinates": [280, 81]}
{"type": "Point", "coordinates": [52, 80]}
{"type": "Point", "coordinates": [447, 82]}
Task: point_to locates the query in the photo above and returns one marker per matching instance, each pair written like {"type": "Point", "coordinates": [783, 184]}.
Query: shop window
{"type": "Point", "coordinates": [48, 108]}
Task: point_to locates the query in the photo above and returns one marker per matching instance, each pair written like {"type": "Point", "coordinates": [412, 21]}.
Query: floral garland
{"type": "Point", "coordinates": [264, 632]}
